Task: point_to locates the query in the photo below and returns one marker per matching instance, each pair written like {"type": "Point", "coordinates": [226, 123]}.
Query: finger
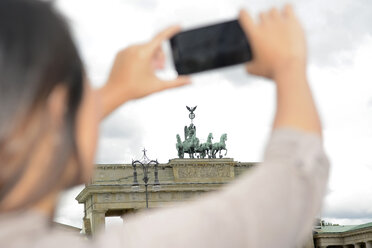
{"type": "Point", "coordinates": [288, 11]}
{"type": "Point", "coordinates": [160, 54]}
{"type": "Point", "coordinates": [274, 13]}
{"type": "Point", "coordinates": [262, 18]}
{"type": "Point", "coordinates": [253, 68]}
{"type": "Point", "coordinates": [178, 82]}
{"type": "Point", "coordinates": [246, 22]}
{"type": "Point", "coordinates": [250, 68]}
{"type": "Point", "coordinates": [163, 35]}
{"type": "Point", "coordinates": [158, 61]}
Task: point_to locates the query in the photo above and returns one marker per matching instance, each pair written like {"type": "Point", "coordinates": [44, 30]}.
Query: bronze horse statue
{"type": "Point", "coordinates": [219, 146]}
{"type": "Point", "coordinates": [179, 146]}
{"type": "Point", "coordinates": [205, 148]}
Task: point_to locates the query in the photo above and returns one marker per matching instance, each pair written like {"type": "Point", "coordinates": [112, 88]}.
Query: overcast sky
{"type": "Point", "coordinates": [339, 35]}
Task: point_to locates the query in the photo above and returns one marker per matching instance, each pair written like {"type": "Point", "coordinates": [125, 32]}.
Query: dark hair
{"type": "Point", "coordinates": [37, 54]}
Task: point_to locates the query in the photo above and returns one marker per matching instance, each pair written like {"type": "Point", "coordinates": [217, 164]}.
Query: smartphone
{"type": "Point", "coordinates": [210, 47]}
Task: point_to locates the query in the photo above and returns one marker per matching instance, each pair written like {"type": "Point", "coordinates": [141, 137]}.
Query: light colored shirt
{"type": "Point", "coordinates": [273, 206]}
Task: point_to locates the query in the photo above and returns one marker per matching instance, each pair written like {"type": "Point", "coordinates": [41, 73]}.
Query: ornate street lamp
{"type": "Point", "coordinates": [146, 164]}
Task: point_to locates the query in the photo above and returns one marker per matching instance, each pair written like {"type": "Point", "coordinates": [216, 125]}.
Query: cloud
{"type": "Point", "coordinates": [335, 29]}
{"type": "Point", "coordinates": [343, 221]}
{"type": "Point", "coordinates": [121, 136]}
{"type": "Point", "coordinates": [68, 211]}
{"type": "Point", "coordinates": [350, 201]}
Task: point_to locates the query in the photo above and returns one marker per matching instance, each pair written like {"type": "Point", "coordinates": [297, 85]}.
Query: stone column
{"type": "Point", "coordinates": [357, 246]}
{"type": "Point", "coordinates": [369, 244]}
{"type": "Point", "coordinates": [97, 221]}
{"type": "Point", "coordinates": [87, 226]}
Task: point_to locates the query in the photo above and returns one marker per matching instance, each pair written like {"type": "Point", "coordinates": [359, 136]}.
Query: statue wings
{"type": "Point", "coordinates": [191, 109]}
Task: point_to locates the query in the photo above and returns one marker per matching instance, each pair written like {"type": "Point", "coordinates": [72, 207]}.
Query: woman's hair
{"type": "Point", "coordinates": [37, 54]}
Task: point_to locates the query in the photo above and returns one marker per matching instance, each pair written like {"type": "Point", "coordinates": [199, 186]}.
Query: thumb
{"type": "Point", "coordinates": [178, 82]}
{"type": "Point", "coordinates": [253, 69]}
{"type": "Point", "coordinates": [165, 34]}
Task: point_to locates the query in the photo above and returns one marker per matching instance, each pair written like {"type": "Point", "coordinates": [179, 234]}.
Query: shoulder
{"type": "Point", "coordinates": [31, 229]}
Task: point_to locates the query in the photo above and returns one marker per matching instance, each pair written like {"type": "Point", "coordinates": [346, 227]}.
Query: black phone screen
{"type": "Point", "coordinates": [210, 47]}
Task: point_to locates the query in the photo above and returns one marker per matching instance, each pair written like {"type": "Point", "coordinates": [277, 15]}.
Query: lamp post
{"type": "Point", "coordinates": [145, 163]}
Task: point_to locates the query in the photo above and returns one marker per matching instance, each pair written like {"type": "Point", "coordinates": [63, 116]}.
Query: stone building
{"type": "Point", "coordinates": [111, 191]}
{"type": "Point", "coordinates": [349, 236]}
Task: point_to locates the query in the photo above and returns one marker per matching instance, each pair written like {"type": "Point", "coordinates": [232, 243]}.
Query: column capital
{"type": "Point", "coordinates": [98, 211]}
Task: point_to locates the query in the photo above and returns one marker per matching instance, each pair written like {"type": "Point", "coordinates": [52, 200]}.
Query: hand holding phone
{"type": "Point", "coordinates": [210, 47]}
{"type": "Point", "coordinates": [278, 42]}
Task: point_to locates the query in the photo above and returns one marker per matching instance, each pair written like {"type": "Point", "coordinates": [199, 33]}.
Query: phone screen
{"type": "Point", "coordinates": [210, 47]}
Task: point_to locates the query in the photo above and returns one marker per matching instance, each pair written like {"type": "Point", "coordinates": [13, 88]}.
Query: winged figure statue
{"type": "Point", "coordinates": [192, 109]}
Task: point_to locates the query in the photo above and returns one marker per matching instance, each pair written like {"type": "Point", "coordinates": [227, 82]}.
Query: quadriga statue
{"type": "Point", "coordinates": [195, 149]}
{"type": "Point", "coordinates": [192, 146]}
